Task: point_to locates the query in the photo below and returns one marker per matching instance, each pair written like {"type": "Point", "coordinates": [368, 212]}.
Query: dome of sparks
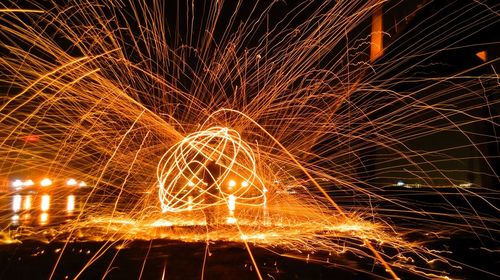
{"type": "Point", "coordinates": [209, 168]}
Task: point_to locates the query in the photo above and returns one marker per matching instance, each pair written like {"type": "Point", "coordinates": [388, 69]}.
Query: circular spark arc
{"type": "Point", "coordinates": [182, 170]}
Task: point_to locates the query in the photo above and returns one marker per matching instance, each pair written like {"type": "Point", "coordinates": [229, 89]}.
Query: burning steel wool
{"type": "Point", "coordinates": [313, 131]}
{"type": "Point", "coordinates": [182, 170]}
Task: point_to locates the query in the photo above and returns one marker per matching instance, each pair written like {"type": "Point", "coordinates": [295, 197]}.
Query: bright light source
{"type": "Point", "coordinates": [46, 182]}
{"type": "Point", "coordinates": [27, 217]}
{"type": "Point", "coordinates": [17, 183]}
{"type": "Point", "coordinates": [45, 205]}
{"type": "Point", "coordinates": [231, 220]}
{"type": "Point", "coordinates": [27, 202]}
{"type": "Point", "coordinates": [400, 183]}
{"type": "Point", "coordinates": [70, 205]}
{"type": "Point", "coordinates": [82, 184]}
{"type": "Point", "coordinates": [232, 183]}
{"type": "Point", "coordinates": [71, 182]}
{"type": "Point", "coordinates": [28, 183]}
{"type": "Point", "coordinates": [244, 184]}
{"type": "Point", "coordinates": [190, 202]}
{"type": "Point", "coordinates": [44, 217]}
{"type": "Point", "coordinates": [190, 184]}
{"type": "Point", "coordinates": [16, 203]}
{"type": "Point", "coordinates": [231, 202]}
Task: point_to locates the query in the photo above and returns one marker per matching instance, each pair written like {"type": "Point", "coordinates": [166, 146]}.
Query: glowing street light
{"type": "Point", "coordinates": [28, 183]}
{"type": "Point", "coordinates": [17, 183]}
{"type": "Point", "coordinates": [46, 182]}
{"type": "Point", "coordinates": [71, 182]}
{"type": "Point", "coordinates": [244, 184]}
{"type": "Point", "coordinates": [231, 184]}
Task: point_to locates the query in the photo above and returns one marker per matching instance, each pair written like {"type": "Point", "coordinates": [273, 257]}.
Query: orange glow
{"type": "Point", "coordinates": [44, 218]}
{"type": "Point", "coordinates": [27, 202]}
{"type": "Point", "coordinates": [377, 39]}
{"type": "Point", "coordinates": [32, 138]}
{"type": "Point", "coordinates": [189, 157]}
{"type": "Point", "coordinates": [232, 184]}
{"type": "Point", "coordinates": [483, 55]}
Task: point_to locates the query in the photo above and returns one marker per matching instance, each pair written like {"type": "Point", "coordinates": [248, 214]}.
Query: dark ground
{"type": "Point", "coordinates": [35, 260]}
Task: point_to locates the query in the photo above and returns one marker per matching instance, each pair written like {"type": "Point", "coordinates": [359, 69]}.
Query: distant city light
{"type": "Point", "coordinates": [17, 183]}
{"type": "Point", "coordinates": [46, 182]}
{"type": "Point", "coordinates": [16, 203]}
{"type": "Point", "coordinates": [70, 206]}
{"type": "Point", "coordinates": [45, 205]}
{"type": "Point", "coordinates": [71, 182]}
{"type": "Point", "coordinates": [400, 183]}
{"type": "Point", "coordinates": [190, 184]}
{"type": "Point", "coordinates": [232, 183]}
{"type": "Point", "coordinates": [82, 184]}
{"type": "Point", "coordinates": [244, 184]}
{"type": "Point", "coordinates": [28, 183]}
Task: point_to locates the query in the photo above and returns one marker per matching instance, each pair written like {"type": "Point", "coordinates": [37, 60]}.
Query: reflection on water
{"type": "Point", "coordinates": [44, 218]}
{"type": "Point", "coordinates": [44, 209]}
{"type": "Point", "coordinates": [70, 205]}
{"type": "Point", "coordinates": [16, 203]}
{"type": "Point", "coordinates": [27, 202]}
{"type": "Point", "coordinates": [45, 205]}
